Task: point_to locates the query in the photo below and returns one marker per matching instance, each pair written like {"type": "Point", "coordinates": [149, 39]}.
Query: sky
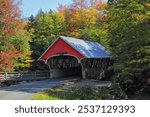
{"type": "Point", "coordinates": [29, 7]}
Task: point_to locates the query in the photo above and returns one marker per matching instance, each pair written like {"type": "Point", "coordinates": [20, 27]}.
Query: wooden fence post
{"type": "Point", "coordinates": [21, 75]}
{"type": "Point", "coordinates": [6, 75]}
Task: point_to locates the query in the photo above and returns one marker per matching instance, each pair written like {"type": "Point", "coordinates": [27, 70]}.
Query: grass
{"type": "Point", "coordinates": [44, 96]}
{"type": "Point", "coordinates": [77, 91]}
{"type": "Point", "coordinates": [65, 92]}
{"type": "Point", "coordinates": [55, 93]}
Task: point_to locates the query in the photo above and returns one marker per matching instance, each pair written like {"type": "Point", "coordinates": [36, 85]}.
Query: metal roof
{"type": "Point", "coordinates": [87, 48]}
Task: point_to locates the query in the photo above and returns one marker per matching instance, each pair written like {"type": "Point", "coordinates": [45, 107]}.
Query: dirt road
{"type": "Point", "coordinates": [25, 91]}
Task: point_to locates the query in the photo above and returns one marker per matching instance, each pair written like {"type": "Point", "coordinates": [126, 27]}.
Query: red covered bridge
{"type": "Point", "coordinates": [71, 56]}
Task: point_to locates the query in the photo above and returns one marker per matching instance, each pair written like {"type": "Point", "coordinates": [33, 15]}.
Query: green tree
{"type": "Point", "coordinates": [129, 39]}
{"type": "Point", "coordinates": [97, 35]}
{"type": "Point", "coordinates": [46, 27]}
{"type": "Point", "coordinates": [21, 42]}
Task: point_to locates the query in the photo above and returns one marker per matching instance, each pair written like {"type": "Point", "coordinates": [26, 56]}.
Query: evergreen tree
{"type": "Point", "coordinates": [130, 40]}
{"type": "Point", "coordinates": [46, 27]}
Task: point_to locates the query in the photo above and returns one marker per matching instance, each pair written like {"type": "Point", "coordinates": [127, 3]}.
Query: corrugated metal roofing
{"type": "Point", "coordinates": [87, 48]}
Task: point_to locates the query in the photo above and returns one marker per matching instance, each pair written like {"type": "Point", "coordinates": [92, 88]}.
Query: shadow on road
{"type": "Point", "coordinates": [36, 86]}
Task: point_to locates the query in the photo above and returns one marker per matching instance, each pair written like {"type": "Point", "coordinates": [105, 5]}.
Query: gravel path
{"type": "Point", "coordinates": [25, 91]}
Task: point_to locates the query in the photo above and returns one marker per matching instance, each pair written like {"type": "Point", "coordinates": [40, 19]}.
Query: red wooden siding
{"type": "Point", "coordinates": [60, 46]}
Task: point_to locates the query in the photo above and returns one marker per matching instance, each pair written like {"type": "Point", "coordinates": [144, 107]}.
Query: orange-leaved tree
{"type": "Point", "coordinates": [10, 24]}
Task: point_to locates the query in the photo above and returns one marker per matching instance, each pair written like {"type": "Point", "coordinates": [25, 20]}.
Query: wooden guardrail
{"type": "Point", "coordinates": [23, 75]}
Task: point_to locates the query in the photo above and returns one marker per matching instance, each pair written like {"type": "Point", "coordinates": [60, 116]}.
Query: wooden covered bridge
{"type": "Point", "coordinates": [71, 56]}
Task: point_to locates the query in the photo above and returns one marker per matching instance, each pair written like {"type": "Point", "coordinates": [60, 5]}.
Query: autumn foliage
{"type": "Point", "coordinates": [81, 14]}
{"type": "Point", "coordinates": [10, 25]}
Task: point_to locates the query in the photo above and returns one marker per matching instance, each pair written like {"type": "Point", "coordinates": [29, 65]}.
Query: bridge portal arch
{"type": "Point", "coordinates": [64, 65]}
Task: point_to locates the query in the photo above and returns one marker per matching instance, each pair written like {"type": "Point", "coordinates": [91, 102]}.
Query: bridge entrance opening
{"type": "Point", "coordinates": [64, 66]}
